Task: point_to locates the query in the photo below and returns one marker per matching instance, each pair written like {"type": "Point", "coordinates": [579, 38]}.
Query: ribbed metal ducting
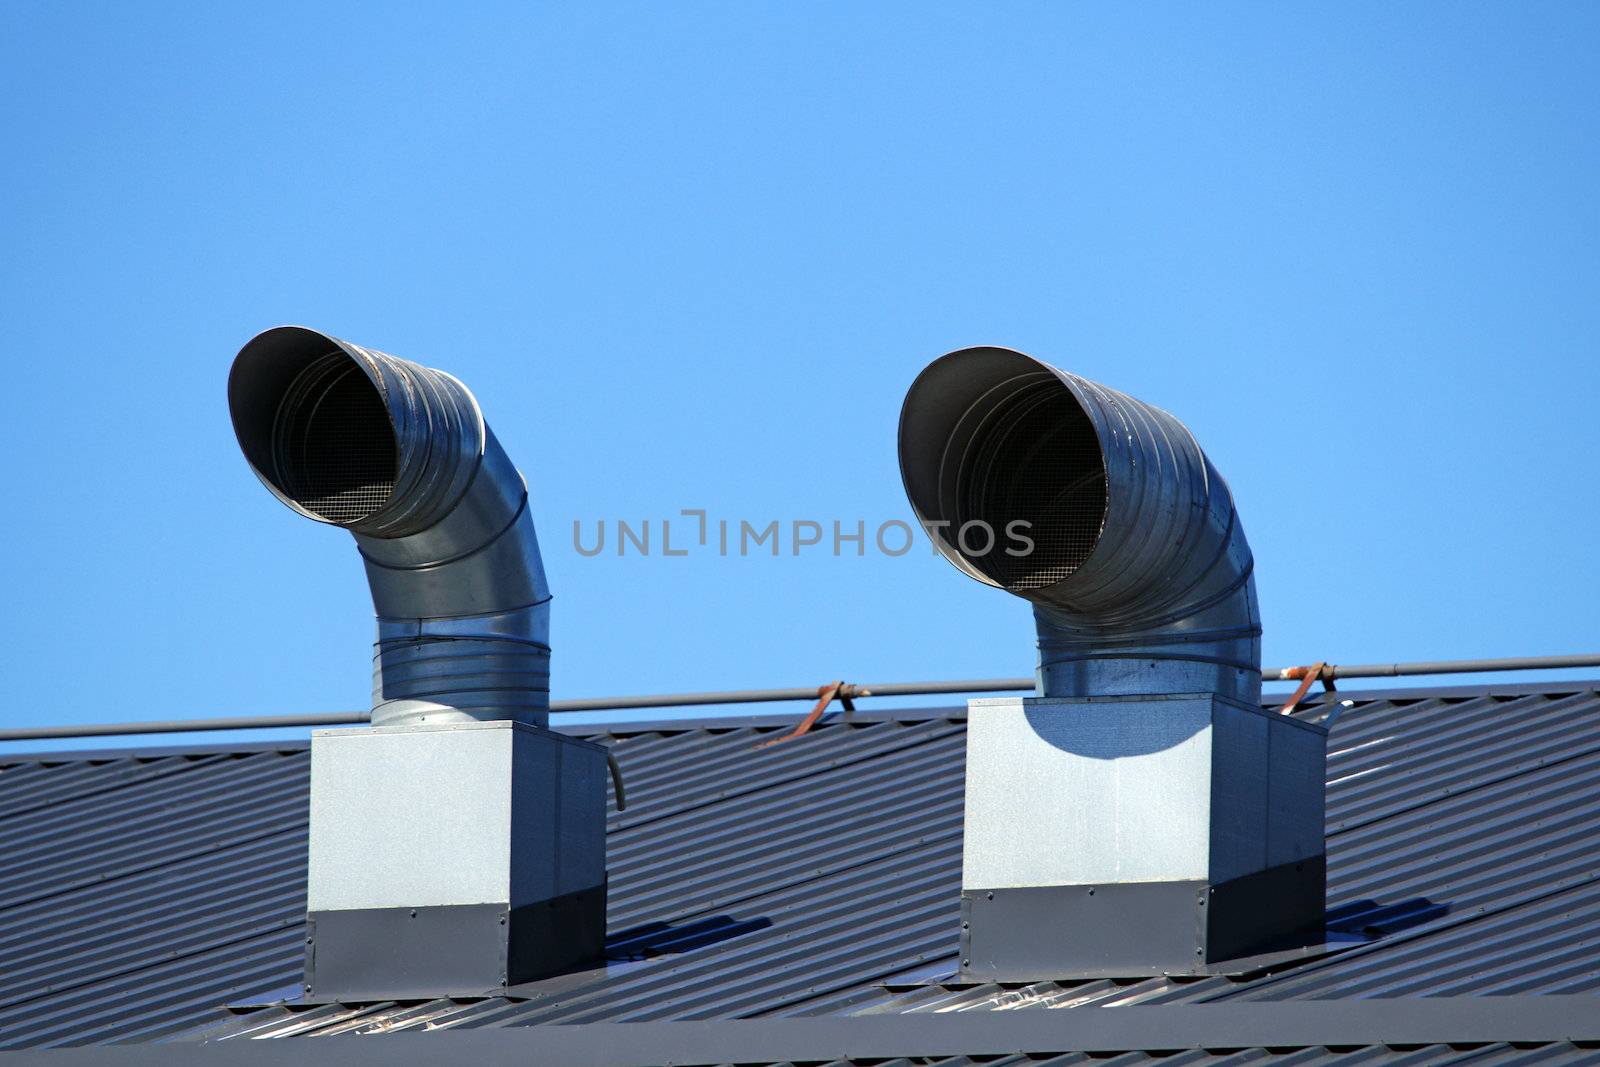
{"type": "Point", "coordinates": [141, 893]}
{"type": "Point", "coordinates": [399, 454]}
{"type": "Point", "coordinates": [1134, 558]}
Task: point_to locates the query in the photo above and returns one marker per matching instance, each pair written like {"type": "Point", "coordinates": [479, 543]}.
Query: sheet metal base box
{"type": "Point", "coordinates": [1136, 836]}
{"type": "Point", "coordinates": [452, 860]}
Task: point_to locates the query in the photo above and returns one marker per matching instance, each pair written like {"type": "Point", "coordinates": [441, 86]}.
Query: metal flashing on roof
{"type": "Point", "coordinates": [1555, 1023]}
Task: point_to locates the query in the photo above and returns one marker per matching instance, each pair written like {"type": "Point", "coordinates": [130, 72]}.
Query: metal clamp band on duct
{"type": "Point", "coordinates": [1138, 568]}
{"type": "Point", "coordinates": [399, 455]}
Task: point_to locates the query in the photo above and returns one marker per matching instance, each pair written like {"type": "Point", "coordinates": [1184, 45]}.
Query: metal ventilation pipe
{"type": "Point", "coordinates": [399, 455]}
{"type": "Point", "coordinates": [1138, 569]}
{"type": "Point", "coordinates": [1189, 834]}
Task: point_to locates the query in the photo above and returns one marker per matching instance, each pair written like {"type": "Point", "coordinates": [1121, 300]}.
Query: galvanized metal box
{"type": "Point", "coordinates": [452, 860]}
{"type": "Point", "coordinates": [1125, 836]}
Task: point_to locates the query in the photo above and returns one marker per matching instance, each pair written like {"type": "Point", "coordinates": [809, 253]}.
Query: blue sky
{"type": "Point", "coordinates": [691, 256]}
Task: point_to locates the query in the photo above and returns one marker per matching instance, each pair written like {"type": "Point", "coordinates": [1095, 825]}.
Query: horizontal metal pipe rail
{"type": "Point", "coordinates": [1329, 672]}
{"type": "Point", "coordinates": [1438, 666]}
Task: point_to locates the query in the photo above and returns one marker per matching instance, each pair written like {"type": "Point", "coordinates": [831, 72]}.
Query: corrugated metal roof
{"type": "Point", "coordinates": [141, 895]}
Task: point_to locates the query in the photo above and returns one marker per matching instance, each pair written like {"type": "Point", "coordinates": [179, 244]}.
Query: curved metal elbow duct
{"type": "Point", "coordinates": [399, 455]}
{"type": "Point", "coordinates": [1138, 569]}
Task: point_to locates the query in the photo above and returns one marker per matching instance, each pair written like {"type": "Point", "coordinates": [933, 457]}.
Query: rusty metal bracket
{"type": "Point", "coordinates": [844, 692]}
{"type": "Point", "coordinates": [1322, 672]}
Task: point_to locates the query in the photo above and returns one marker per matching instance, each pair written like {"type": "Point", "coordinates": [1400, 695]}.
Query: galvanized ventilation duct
{"type": "Point", "coordinates": [1139, 572]}
{"type": "Point", "coordinates": [399, 455]}
{"type": "Point", "coordinates": [407, 895]}
{"type": "Point", "coordinates": [1186, 833]}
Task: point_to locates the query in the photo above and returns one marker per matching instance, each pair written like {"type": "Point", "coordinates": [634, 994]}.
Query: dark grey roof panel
{"type": "Point", "coordinates": [138, 899]}
{"type": "Point", "coordinates": [819, 876]}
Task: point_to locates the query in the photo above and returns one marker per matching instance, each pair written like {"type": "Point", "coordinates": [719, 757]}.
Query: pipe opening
{"type": "Point", "coordinates": [313, 424]}
{"type": "Point", "coordinates": [333, 446]}
{"type": "Point", "coordinates": [1035, 459]}
{"type": "Point", "coordinates": [997, 450]}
